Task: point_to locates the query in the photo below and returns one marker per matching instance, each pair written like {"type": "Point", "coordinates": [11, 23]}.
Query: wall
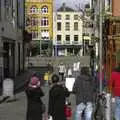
{"type": "Point", "coordinates": [63, 32]}
{"type": "Point", "coordinates": [116, 8]}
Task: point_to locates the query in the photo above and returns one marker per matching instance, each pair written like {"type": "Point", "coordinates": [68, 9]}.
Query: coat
{"type": "Point", "coordinates": [114, 82]}
{"type": "Point", "coordinates": [34, 103]}
{"type": "Point", "coordinates": [57, 95]}
{"type": "Point", "coordinates": [84, 89]}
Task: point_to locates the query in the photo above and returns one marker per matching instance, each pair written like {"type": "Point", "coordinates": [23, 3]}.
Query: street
{"type": "Point", "coordinates": [16, 110]}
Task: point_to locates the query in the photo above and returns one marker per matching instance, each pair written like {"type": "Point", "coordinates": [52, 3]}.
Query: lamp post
{"type": "Point", "coordinates": [100, 43]}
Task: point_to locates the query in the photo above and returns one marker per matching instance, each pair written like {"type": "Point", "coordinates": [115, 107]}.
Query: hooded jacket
{"type": "Point", "coordinates": [114, 82]}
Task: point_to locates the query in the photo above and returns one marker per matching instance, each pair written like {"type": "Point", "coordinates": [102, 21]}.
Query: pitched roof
{"type": "Point", "coordinates": [64, 8]}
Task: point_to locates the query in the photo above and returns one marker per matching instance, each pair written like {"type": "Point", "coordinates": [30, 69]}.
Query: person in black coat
{"type": "Point", "coordinates": [34, 103]}
{"type": "Point", "coordinates": [85, 89]}
{"type": "Point", "coordinates": [57, 99]}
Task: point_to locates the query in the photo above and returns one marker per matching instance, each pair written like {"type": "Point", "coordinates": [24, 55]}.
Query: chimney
{"type": "Point", "coordinates": [64, 6]}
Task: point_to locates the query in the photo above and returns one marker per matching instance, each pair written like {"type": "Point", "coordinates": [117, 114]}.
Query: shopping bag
{"type": "Point", "coordinates": [50, 118]}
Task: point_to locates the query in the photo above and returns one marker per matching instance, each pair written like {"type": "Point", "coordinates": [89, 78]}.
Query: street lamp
{"type": "Point", "coordinates": [100, 43]}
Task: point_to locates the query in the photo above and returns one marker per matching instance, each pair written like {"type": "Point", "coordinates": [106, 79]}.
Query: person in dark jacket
{"type": "Point", "coordinates": [34, 103]}
{"type": "Point", "coordinates": [114, 86]}
{"type": "Point", "coordinates": [84, 90]}
{"type": "Point", "coordinates": [57, 99]}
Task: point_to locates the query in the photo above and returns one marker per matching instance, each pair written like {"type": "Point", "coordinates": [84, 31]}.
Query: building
{"type": "Point", "coordinates": [67, 32]}
{"type": "Point", "coordinates": [39, 22]}
{"type": "Point", "coordinates": [11, 37]}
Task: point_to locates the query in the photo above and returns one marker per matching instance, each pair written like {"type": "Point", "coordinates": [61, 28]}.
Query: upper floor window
{"type": "Point", "coordinates": [58, 17]}
{"type": "Point", "coordinates": [75, 37]}
{"type": "Point", "coordinates": [59, 26]}
{"type": "Point", "coordinates": [44, 22]}
{"type": "Point", "coordinates": [67, 26]}
{"type": "Point", "coordinates": [34, 34]}
{"type": "Point", "coordinates": [67, 17]}
{"type": "Point", "coordinates": [59, 37]}
{"type": "Point", "coordinates": [34, 21]}
{"type": "Point", "coordinates": [76, 26]}
{"type": "Point", "coordinates": [33, 9]}
{"type": "Point", "coordinates": [67, 37]}
{"type": "Point", "coordinates": [75, 17]}
{"type": "Point", "coordinates": [44, 9]}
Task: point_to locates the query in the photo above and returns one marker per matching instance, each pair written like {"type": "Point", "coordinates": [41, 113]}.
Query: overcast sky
{"type": "Point", "coordinates": [70, 3]}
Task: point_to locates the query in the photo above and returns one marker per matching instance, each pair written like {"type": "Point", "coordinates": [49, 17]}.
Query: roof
{"type": "Point", "coordinates": [64, 8]}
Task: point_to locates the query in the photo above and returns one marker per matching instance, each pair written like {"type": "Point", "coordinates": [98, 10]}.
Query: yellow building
{"type": "Point", "coordinates": [39, 21]}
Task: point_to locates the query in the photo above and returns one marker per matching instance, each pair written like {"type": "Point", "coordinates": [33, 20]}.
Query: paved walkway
{"type": "Point", "coordinates": [17, 110]}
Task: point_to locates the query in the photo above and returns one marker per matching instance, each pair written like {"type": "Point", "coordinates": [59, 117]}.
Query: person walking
{"type": "Point", "coordinates": [57, 99]}
{"type": "Point", "coordinates": [34, 102]}
{"type": "Point", "coordinates": [62, 71]}
{"type": "Point", "coordinates": [114, 86]}
{"type": "Point", "coordinates": [84, 91]}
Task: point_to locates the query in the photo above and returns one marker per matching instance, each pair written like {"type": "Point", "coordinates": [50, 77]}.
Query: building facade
{"type": "Point", "coordinates": [11, 37]}
{"type": "Point", "coordinates": [67, 32]}
{"type": "Point", "coordinates": [39, 22]}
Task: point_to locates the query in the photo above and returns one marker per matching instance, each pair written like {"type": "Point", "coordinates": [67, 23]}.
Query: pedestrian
{"type": "Point", "coordinates": [34, 103]}
{"type": "Point", "coordinates": [57, 99]}
{"type": "Point", "coordinates": [62, 71]}
{"type": "Point", "coordinates": [114, 86]}
{"type": "Point", "coordinates": [46, 78]}
{"type": "Point", "coordinates": [84, 91]}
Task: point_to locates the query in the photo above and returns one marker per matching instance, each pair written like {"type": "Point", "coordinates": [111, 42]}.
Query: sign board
{"type": "Point", "coordinates": [69, 82]}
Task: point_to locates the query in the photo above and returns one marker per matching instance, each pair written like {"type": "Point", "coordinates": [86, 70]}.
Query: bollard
{"type": "Point", "coordinates": [108, 109]}
{"type": "Point", "coordinates": [8, 88]}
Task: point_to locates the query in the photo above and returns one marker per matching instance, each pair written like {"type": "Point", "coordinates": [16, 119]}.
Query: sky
{"type": "Point", "coordinates": [70, 3]}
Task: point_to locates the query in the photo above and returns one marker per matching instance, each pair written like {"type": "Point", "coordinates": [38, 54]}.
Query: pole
{"type": "Point", "coordinates": [40, 48]}
{"type": "Point", "coordinates": [100, 44]}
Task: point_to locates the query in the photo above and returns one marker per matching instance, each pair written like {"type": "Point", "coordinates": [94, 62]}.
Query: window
{"type": "Point", "coordinates": [67, 37]}
{"type": "Point", "coordinates": [59, 26]}
{"type": "Point", "coordinates": [75, 37]}
{"type": "Point", "coordinates": [44, 9]}
{"type": "Point", "coordinates": [75, 26]}
{"type": "Point", "coordinates": [34, 34]}
{"type": "Point", "coordinates": [75, 17]}
{"type": "Point", "coordinates": [67, 17]}
{"type": "Point", "coordinates": [33, 9]}
{"type": "Point", "coordinates": [44, 22]}
{"type": "Point", "coordinates": [34, 21]}
{"type": "Point", "coordinates": [67, 26]}
{"type": "Point", "coordinates": [58, 37]}
{"type": "Point", "coordinates": [58, 17]}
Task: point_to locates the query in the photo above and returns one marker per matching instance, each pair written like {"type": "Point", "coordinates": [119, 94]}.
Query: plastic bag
{"type": "Point", "coordinates": [50, 118]}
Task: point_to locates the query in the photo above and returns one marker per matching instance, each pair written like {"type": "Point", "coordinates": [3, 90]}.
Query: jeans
{"type": "Point", "coordinates": [117, 108]}
{"type": "Point", "coordinates": [86, 108]}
